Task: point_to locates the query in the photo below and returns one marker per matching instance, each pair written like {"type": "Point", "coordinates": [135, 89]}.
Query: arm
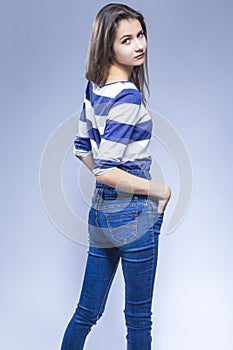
{"type": "Point", "coordinates": [110, 154]}
{"type": "Point", "coordinates": [87, 161]}
{"type": "Point", "coordinates": [129, 183]}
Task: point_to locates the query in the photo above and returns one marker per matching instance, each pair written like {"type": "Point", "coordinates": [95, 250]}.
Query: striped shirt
{"type": "Point", "coordinates": [115, 127]}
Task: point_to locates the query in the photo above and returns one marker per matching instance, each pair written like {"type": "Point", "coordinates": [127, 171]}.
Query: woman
{"type": "Point", "coordinates": [127, 207]}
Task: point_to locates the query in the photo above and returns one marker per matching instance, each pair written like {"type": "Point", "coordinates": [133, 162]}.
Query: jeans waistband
{"type": "Point", "coordinates": [108, 192]}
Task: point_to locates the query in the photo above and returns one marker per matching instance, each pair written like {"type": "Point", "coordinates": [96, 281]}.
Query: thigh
{"type": "Point", "coordinates": [100, 270]}
{"type": "Point", "coordinates": [139, 262]}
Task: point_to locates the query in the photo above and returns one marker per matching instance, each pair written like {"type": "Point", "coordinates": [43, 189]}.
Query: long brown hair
{"type": "Point", "coordinates": [101, 46]}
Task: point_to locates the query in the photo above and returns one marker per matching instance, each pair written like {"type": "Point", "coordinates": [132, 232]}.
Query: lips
{"type": "Point", "coordinates": [140, 56]}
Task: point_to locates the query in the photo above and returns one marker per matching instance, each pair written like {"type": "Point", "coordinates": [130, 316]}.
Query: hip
{"type": "Point", "coordinates": [123, 216]}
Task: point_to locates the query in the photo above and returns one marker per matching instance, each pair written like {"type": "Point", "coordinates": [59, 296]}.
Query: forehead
{"type": "Point", "coordinates": [129, 26]}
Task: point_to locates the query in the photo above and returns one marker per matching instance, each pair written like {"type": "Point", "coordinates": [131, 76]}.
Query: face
{"type": "Point", "coordinates": [130, 43]}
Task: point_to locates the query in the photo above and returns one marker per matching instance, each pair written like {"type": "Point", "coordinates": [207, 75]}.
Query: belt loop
{"type": "Point", "coordinates": [100, 192]}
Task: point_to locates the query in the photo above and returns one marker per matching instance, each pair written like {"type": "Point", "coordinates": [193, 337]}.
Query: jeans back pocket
{"type": "Point", "coordinates": [122, 224]}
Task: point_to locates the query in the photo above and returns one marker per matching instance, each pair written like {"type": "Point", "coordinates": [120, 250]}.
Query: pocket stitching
{"type": "Point", "coordinates": [113, 231]}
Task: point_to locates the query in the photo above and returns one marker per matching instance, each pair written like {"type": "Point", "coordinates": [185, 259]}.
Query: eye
{"type": "Point", "coordinates": [126, 41]}
{"type": "Point", "coordinates": [140, 34]}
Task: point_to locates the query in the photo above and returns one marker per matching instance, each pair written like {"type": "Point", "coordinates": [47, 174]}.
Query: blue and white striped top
{"type": "Point", "coordinates": [115, 127]}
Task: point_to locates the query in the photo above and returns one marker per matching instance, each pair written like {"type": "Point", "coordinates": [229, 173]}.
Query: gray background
{"type": "Point", "coordinates": [42, 62]}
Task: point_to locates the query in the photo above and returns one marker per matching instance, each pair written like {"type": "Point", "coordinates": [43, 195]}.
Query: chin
{"type": "Point", "coordinates": [138, 64]}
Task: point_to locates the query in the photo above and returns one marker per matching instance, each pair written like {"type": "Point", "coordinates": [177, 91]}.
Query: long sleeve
{"type": "Point", "coordinates": [119, 131]}
{"type": "Point", "coordinates": [82, 144]}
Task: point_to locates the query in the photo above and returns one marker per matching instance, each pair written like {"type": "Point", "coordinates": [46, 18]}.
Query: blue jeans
{"type": "Point", "coordinates": [122, 228]}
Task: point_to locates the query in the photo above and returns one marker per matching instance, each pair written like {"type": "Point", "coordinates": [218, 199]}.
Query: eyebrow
{"type": "Point", "coordinates": [125, 36]}
{"type": "Point", "coordinates": [130, 35]}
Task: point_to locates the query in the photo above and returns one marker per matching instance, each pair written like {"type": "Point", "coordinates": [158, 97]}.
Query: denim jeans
{"type": "Point", "coordinates": [122, 228]}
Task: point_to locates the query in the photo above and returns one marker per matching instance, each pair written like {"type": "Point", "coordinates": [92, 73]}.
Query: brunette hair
{"type": "Point", "coordinates": [101, 46]}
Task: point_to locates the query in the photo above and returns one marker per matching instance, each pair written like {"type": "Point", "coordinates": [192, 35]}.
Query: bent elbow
{"type": "Point", "coordinates": [102, 178]}
{"type": "Point", "coordinates": [107, 177]}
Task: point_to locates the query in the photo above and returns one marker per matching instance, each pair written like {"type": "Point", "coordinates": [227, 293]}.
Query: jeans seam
{"type": "Point", "coordinates": [107, 289]}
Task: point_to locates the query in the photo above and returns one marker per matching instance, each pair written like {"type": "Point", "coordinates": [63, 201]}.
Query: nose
{"type": "Point", "coordinates": [138, 46]}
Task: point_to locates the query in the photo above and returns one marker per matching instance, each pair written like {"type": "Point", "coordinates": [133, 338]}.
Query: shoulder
{"type": "Point", "coordinates": [129, 94]}
{"type": "Point", "coordinates": [122, 92]}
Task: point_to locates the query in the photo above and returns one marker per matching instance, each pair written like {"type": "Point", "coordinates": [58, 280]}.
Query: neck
{"type": "Point", "coordinates": [118, 72]}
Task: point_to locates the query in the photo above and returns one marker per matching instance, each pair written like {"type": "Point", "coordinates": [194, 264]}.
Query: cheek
{"type": "Point", "coordinates": [123, 53]}
{"type": "Point", "coordinates": [144, 44]}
